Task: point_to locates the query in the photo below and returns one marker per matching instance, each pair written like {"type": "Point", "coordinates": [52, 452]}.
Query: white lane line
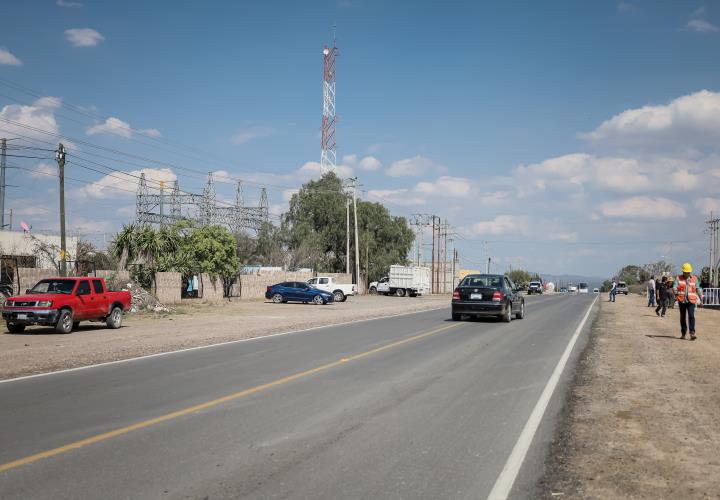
{"type": "Point", "coordinates": [506, 479]}
{"type": "Point", "coordinates": [168, 353]}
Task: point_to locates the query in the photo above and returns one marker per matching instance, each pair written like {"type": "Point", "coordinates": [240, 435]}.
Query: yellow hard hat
{"type": "Point", "coordinates": [686, 268]}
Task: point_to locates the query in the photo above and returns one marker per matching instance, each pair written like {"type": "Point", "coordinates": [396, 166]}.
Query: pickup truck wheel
{"type": "Point", "coordinates": [318, 300]}
{"type": "Point", "coordinates": [65, 322]}
{"type": "Point", "coordinates": [15, 328]}
{"type": "Point", "coordinates": [277, 298]}
{"type": "Point", "coordinates": [114, 319]}
{"type": "Point", "coordinates": [400, 292]}
{"type": "Point", "coordinates": [339, 296]}
{"type": "Point", "coordinates": [373, 290]}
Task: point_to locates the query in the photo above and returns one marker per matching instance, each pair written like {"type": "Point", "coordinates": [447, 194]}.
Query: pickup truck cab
{"type": "Point", "coordinates": [330, 284]}
{"type": "Point", "coordinates": [63, 303]}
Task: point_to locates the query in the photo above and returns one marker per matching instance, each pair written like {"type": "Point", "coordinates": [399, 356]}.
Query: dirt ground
{"type": "Point", "coordinates": [643, 417]}
{"type": "Point", "coordinates": [39, 350]}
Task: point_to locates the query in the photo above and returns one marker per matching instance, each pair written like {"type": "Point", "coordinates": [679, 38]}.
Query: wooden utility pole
{"type": "Point", "coordinates": [357, 247]}
{"type": "Point", "coordinates": [60, 157]}
{"type": "Point", "coordinates": [3, 154]}
{"type": "Point", "coordinates": [437, 271]}
{"type": "Point", "coordinates": [347, 235]}
{"type": "Point", "coordinates": [445, 234]}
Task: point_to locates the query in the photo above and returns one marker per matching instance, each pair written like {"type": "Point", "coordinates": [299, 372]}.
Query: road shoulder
{"type": "Point", "coordinates": [640, 418]}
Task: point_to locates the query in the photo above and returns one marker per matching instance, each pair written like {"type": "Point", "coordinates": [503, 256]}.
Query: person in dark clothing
{"type": "Point", "coordinates": [664, 295]}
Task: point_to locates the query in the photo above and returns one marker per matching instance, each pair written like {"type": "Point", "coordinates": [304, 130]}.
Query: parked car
{"type": "Point", "coordinates": [622, 288]}
{"type": "Point", "coordinates": [582, 288]}
{"type": "Point", "coordinates": [297, 291]}
{"type": "Point", "coordinates": [63, 303]}
{"type": "Point", "coordinates": [563, 290]}
{"type": "Point", "coordinates": [534, 287]}
{"type": "Point", "coordinates": [572, 288]}
{"type": "Point", "coordinates": [596, 290]}
{"type": "Point", "coordinates": [330, 284]}
{"type": "Point", "coordinates": [487, 295]}
{"type": "Point", "coordinates": [403, 280]}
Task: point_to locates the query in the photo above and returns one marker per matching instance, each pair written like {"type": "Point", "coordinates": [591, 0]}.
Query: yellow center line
{"type": "Point", "coordinates": [210, 404]}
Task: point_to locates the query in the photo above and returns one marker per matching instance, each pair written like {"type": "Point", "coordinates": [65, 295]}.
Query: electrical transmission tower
{"type": "Point", "coordinates": [714, 232]}
{"type": "Point", "coordinates": [328, 154]}
{"type": "Point", "coordinates": [200, 208]}
{"type": "Point", "coordinates": [420, 221]}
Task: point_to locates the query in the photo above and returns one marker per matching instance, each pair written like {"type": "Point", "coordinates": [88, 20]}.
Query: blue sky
{"type": "Point", "coordinates": [573, 136]}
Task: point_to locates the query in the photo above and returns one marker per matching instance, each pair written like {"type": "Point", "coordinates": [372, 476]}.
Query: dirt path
{"type": "Point", "coordinates": [40, 350]}
{"type": "Point", "coordinates": [643, 419]}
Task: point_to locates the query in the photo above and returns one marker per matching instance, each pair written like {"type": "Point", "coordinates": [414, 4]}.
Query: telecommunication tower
{"type": "Point", "coordinates": [328, 155]}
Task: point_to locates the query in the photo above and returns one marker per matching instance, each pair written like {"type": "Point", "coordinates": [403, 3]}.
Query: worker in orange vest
{"type": "Point", "coordinates": [688, 294]}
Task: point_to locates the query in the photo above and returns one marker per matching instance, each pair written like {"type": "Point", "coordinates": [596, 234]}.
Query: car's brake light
{"type": "Point", "coordinates": [497, 296]}
{"type": "Point", "coordinates": [456, 295]}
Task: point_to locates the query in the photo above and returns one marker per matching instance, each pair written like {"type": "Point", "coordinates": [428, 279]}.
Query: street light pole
{"type": "Point", "coordinates": [60, 157]}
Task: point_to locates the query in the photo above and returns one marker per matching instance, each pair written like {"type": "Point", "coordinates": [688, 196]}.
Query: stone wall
{"type": "Point", "coordinates": [253, 286]}
{"type": "Point", "coordinates": [212, 290]}
{"type": "Point", "coordinates": [167, 287]}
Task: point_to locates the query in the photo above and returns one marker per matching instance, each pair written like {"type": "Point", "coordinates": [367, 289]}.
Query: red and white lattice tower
{"type": "Point", "coordinates": [328, 155]}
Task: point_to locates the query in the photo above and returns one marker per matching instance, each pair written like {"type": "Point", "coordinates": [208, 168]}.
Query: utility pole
{"type": "Point", "coordinates": [445, 234]}
{"type": "Point", "coordinates": [60, 157]}
{"type": "Point", "coordinates": [714, 231]}
{"type": "Point", "coordinates": [437, 271]}
{"type": "Point", "coordinates": [452, 266]}
{"type": "Point", "coordinates": [432, 267]}
{"type": "Point", "coordinates": [3, 156]}
{"type": "Point", "coordinates": [357, 245]}
{"type": "Point", "coordinates": [347, 235]}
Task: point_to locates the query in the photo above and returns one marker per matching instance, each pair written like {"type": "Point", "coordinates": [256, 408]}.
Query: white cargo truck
{"type": "Point", "coordinates": [403, 280]}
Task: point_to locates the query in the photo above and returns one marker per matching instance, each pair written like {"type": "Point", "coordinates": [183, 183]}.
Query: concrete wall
{"type": "Point", "coordinates": [167, 287]}
{"type": "Point", "coordinates": [116, 280]}
{"type": "Point", "coordinates": [253, 286]}
{"type": "Point", "coordinates": [29, 276]}
{"type": "Point", "coordinates": [212, 290]}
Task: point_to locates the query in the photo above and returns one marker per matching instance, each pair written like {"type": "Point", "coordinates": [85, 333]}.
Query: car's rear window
{"type": "Point", "coordinates": [486, 281]}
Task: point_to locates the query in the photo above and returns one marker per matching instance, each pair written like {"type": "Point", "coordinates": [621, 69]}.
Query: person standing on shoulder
{"type": "Point", "coordinates": [688, 295]}
{"type": "Point", "coordinates": [613, 291]}
{"type": "Point", "coordinates": [651, 291]}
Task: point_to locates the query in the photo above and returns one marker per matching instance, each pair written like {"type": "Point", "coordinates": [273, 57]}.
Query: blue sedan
{"type": "Point", "coordinates": [297, 291]}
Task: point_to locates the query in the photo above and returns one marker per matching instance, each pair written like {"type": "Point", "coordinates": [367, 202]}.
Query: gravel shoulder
{"type": "Point", "coordinates": [40, 350]}
{"type": "Point", "coordinates": [641, 418]}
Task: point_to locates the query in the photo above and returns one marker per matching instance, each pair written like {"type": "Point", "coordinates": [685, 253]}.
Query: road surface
{"type": "Point", "coordinates": [415, 406]}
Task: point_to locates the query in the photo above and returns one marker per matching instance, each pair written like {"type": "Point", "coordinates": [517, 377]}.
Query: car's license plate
{"type": "Point", "coordinates": [22, 316]}
{"type": "Point", "coordinates": [476, 296]}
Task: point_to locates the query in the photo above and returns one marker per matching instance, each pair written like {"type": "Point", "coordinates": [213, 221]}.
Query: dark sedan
{"type": "Point", "coordinates": [487, 295]}
{"type": "Point", "coordinates": [297, 291]}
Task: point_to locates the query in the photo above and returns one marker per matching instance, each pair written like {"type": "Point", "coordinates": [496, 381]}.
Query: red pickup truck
{"type": "Point", "coordinates": [63, 303]}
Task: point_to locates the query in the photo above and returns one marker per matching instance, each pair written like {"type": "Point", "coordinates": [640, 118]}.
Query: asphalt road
{"type": "Point", "coordinates": [411, 407]}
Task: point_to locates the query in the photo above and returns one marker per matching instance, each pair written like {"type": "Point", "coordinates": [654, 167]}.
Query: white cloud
{"type": "Point", "coordinates": [246, 135]}
{"type": "Point", "coordinates": [445, 186]}
{"type": "Point", "coordinates": [44, 171]}
{"type": "Point", "coordinates": [311, 169]}
{"type": "Point", "coordinates": [689, 121]}
{"type": "Point", "coordinates": [39, 115]}
{"type": "Point", "coordinates": [683, 180]}
{"type": "Point", "coordinates": [401, 197]}
{"type": "Point", "coordinates": [350, 160]}
{"type": "Point", "coordinates": [83, 37]}
{"type": "Point", "coordinates": [370, 164]}
{"type": "Point", "coordinates": [115, 126]}
{"type": "Point", "coordinates": [119, 184]}
{"type": "Point", "coordinates": [63, 3]}
{"type": "Point", "coordinates": [288, 194]}
{"type": "Point", "coordinates": [643, 207]}
{"type": "Point", "coordinates": [707, 205]}
{"type": "Point", "coordinates": [413, 167]}
{"type": "Point", "coordinates": [502, 224]}
{"type": "Point", "coordinates": [701, 26]}
{"type": "Point", "coordinates": [7, 57]}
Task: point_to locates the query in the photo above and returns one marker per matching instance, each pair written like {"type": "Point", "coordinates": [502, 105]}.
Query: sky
{"type": "Point", "coordinates": [559, 136]}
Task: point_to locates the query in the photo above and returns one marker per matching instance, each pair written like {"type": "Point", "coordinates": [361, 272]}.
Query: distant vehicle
{"type": "Point", "coordinates": [563, 290]}
{"type": "Point", "coordinates": [487, 295]}
{"type": "Point", "coordinates": [330, 284]}
{"type": "Point", "coordinates": [622, 288]}
{"type": "Point", "coordinates": [297, 291]}
{"type": "Point", "coordinates": [63, 303]}
{"type": "Point", "coordinates": [403, 280]}
{"type": "Point", "coordinates": [572, 288]}
{"type": "Point", "coordinates": [534, 287]}
{"type": "Point", "coordinates": [583, 288]}
{"type": "Point", "coordinates": [596, 290]}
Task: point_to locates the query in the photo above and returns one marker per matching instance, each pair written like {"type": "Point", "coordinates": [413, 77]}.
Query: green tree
{"type": "Point", "coordinates": [520, 277]}
{"type": "Point", "coordinates": [213, 250]}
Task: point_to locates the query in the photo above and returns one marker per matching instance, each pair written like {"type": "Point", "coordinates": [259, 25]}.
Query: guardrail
{"type": "Point", "coordinates": [711, 296]}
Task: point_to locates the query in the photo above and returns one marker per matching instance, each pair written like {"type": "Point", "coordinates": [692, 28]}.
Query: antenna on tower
{"type": "Point", "coordinates": [328, 154]}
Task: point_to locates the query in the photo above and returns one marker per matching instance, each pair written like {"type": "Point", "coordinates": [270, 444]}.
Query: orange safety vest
{"type": "Point", "coordinates": [689, 287]}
